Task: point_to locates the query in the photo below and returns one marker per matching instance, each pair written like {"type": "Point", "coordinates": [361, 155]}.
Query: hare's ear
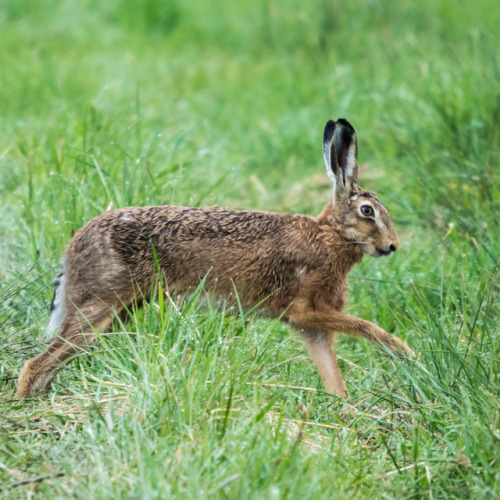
{"type": "Point", "coordinates": [340, 151]}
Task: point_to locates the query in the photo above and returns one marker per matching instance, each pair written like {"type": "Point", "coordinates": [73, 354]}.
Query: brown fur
{"type": "Point", "coordinates": [296, 265]}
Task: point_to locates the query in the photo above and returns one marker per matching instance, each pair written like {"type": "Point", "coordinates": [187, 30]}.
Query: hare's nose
{"type": "Point", "coordinates": [392, 248]}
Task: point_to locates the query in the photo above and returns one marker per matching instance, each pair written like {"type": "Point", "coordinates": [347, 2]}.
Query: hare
{"type": "Point", "coordinates": [294, 266]}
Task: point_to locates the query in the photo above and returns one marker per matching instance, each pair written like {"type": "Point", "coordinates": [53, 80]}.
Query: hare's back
{"type": "Point", "coordinates": [139, 227]}
{"type": "Point", "coordinates": [184, 234]}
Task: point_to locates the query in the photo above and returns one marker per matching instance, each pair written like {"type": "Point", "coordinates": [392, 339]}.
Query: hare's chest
{"type": "Point", "coordinates": [337, 296]}
{"type": "Point", "coordinates": [332, 293]}
{"type": "Point", "coordinates": [323, 292]}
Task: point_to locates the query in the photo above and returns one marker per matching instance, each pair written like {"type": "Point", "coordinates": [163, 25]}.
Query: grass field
{"type": "Point", "coordinates": [138, 102]}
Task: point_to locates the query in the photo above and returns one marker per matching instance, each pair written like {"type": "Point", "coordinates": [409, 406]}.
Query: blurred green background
{"type": "Point", "coordinates": [116, 103]}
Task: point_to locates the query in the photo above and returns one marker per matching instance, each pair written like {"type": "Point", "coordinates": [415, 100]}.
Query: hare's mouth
{"type": "Point", "coordinates": [377, 252]}
{"type": "Point", "coordinates": [381, 251]}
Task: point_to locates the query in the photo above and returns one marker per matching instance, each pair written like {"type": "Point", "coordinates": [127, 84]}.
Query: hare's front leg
{"type": "Point", "coordinates": [336, 321]}
{"type": "Point", "coordinates": [320, 348]}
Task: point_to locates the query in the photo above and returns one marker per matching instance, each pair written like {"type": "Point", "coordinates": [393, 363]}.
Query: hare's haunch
{"type": "Point", "coordinates": [296, 266]}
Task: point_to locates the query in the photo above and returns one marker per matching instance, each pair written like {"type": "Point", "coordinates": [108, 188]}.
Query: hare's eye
{"type": "Point", "coordinates": [367, 211]}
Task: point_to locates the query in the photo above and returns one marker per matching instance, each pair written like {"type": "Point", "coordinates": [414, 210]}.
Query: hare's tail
{"type": "Point", "coordinates": [57, 307]}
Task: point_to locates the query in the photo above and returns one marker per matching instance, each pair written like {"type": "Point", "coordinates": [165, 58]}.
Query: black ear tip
{"type": "Point", "coordinates": [330, 126]}
{"type": "Point", "coordinates": [329, 129]}
{"type": "Point", "coordinates": [345, 123]}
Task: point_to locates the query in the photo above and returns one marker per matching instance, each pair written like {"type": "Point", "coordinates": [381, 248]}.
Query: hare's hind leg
{"type": "Point", "coordinates": [76, 334]}
{"type": "Point", "coordinates": [320, 348]}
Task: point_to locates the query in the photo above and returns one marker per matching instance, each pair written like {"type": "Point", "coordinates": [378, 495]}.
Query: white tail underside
{"type": "Point", "coordinates": [58, 310]}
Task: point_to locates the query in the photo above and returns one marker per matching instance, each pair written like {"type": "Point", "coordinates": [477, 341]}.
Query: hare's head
{"type": "Point", "coordinates": [357, 215]}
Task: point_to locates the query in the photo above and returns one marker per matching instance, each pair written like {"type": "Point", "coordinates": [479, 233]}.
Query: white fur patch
{"type": "Point", "coordinates": [350, 163]}
{"type": "Point", "coordinates": [331, 175]}
{"type": "Point", "coordinates": [58, 311]}
{"type": "Point", "coordinates": [379, 221]}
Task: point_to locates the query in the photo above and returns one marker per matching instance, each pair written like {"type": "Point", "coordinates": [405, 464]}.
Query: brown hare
{"type": "Point", "coordinates": [295, 266]}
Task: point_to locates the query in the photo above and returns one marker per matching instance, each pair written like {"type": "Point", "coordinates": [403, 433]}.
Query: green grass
{"type": "Point", "coordinates": [108, 104]}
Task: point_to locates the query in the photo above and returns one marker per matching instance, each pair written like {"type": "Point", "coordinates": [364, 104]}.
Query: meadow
{"type": "Point", "coordinates": [138, 102]}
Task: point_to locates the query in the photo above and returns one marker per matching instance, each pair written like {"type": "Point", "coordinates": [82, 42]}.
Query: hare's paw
{"type": "Point", "coordinates": [33, 379]}
{"type": "Point", "coordinates": [402, 346]}
{"type": "Point", "coordinates": [394, 344]}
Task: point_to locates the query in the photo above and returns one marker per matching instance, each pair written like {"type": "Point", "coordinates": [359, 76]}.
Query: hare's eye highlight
{"type": "Point", "coordinates": [367, 211]}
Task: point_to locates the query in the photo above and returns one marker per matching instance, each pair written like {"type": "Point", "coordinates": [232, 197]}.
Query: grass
{"type": "Point", "coordinates": [108, 104]}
